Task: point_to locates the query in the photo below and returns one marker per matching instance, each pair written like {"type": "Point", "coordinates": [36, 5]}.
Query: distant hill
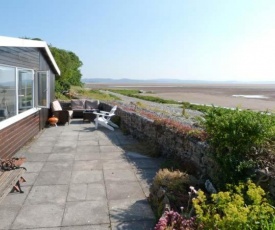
{"type": "Point", "coordinates": [135, 81]}
{"type": "Point", "coordinates": [165, 81]}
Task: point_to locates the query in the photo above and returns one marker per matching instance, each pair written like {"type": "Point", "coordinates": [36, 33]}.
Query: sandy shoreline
{"type": "Point", "coordinates": [216, 94]}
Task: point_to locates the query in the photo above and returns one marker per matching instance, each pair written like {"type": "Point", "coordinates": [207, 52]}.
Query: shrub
{"type": "Point", "coordinates": [173, 180]}
{"type": "Point", "coordinates": [241, 207]}
{"type": "Point", "coordinates": [62, 86]}
{"type": "Point", "coordinates": [233, 134]}
{"type": "Point", "coordinates": [173, 185]}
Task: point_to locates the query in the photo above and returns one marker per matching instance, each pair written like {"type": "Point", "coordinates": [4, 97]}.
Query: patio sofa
{"type": "Point", "coordinates": [65, 110]}
{"type": "Point", "coordinates": [79, 105]}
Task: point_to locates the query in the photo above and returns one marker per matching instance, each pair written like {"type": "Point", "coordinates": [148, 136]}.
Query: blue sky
{"type": "Point", "coordinates": [149, 39]}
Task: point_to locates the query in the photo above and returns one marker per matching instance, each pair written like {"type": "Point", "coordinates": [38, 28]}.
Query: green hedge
{"type": "Point", "coordinates": [235, 136]}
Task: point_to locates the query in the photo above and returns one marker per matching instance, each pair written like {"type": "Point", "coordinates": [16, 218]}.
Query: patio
{"type": "Point", "coordinates": [81, 178]}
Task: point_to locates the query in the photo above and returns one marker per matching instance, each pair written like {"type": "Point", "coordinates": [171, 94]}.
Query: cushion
{"type": "Point", "coordinates": [78, 104]}
{"type": "Point", "coordinates": [70, 113]}
{"type": "Point", "coordinates": [56, 106]}
{"type": "Point", "coordinates": [89, 104]}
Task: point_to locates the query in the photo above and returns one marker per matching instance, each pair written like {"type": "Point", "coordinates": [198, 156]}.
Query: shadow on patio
{"type": "Point", "coordinates": [82, 178]}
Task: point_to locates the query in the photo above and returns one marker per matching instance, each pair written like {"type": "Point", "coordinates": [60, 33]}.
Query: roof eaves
{"type": "Point", "coordinates": [18, 42]}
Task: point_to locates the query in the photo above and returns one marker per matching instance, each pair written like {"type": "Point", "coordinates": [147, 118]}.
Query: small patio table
{"type": "Point", "coordinates": [88, 115]}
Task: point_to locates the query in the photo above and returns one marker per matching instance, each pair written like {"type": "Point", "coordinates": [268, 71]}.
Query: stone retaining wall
{"type": "Point", "coordinates": [195, 154]}
{"type": "Point", "coordinates": [168, 143]}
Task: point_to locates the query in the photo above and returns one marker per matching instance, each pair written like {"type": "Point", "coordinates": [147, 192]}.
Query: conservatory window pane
{"type": "Point", "coordinates": [42, 79]}
{"type": "Point", "coordinates": [25, 90]}
{"type": "Point", "coordinates": [7, 92]}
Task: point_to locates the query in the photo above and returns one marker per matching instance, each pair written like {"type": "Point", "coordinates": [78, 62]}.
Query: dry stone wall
{"type": "Point", "coordinates": [168, 143]}
{"type": "Point", "coordinates": [194, 154]}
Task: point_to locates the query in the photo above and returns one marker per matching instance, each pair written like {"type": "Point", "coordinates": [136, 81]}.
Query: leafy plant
{"type": "Point", "coordinates": [69, 64]}
{"type": "Point", "coordinates": [233, 134]}
{"type": "Point", "coordinates": [243, 206]}
{"type": "Point", "coordinates": [172, 184]}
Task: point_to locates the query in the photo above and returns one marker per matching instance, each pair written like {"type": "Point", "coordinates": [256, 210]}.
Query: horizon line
{"type": "Point", "coordinates": [176, 79]}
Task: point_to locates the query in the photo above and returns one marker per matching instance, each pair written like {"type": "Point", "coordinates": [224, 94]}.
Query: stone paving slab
{"type": "Point", "coordinates": [64, 149]}
{"type": "Point", "coordinates": [145, 163]}
{"type": "Point", "coordinates": [118, 175]}
{"type": "Point", "coordinates": [127, 210]}
{"type": "Point", "coordinates": [35, 156]}
{"type": "Point", "coordinates": [46, 139]}
{"type": "Point", "coordinates": [39, 149]}
{"type": "Point", "coordinates": [58, 166]}
{"type": "Point", "coordinates": [85, 213]}
{"type": "Point", "coordinates": [61, 157]}
{"type": "Point", "coordinates": [85, 192]}
{"type": "Point", "coordinates": [42, 143]}
{"type": "Point", "coordinates": [134, 225]}
{"type": "Point", "coordinates": [66, 143]}
{"type": "Point", "coordinates": [89, 227]}
{"type": "Point", "coordinates": [116, 164]}
{"type": "Point", "coordinates": [38, 216]}
{"type": "Point", "coordinates": [80, 178]}
{"type": "Point", "coordinates": [85, 137]}
{"type": "Point", "coordinates": [53, 178]}
{"type": "Point", "coordinates": [87, 165]}
{"type": "Point", "coordinates": [55, 194]}
{"type": "Point", "coordinates": [41, 228]}
{"type": "Point", "coordinates": [147, 175]}
{"type": "Point", "coordinates": [124, 190]}
{"type": "Point", "coordinates": [88, 143]}
{"type": "Point", "coordinates": [112, 155]}
{"type": "Point", "coordinates": [104, 142]}
{"type": "Point", "coordinates": [88, 149]}
{"type": "Point", "coordinates": [87, 156]}
{"type": "Point", "coordinates": [14, 199]}
{"type": "Point", "coordinates": [7, 215]}
{"type": "Point", "coordinates": [77, 192]}
{"type": "Point", "coordinates": [33, 166]}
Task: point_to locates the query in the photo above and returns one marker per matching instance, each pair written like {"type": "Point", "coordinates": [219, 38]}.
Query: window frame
{"type": "Point", "coordinates": [16, 77]}
{"type": "Point", "coordinates": [17, 90]}
{"type": "Point", "coordinates": [48, 90]}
